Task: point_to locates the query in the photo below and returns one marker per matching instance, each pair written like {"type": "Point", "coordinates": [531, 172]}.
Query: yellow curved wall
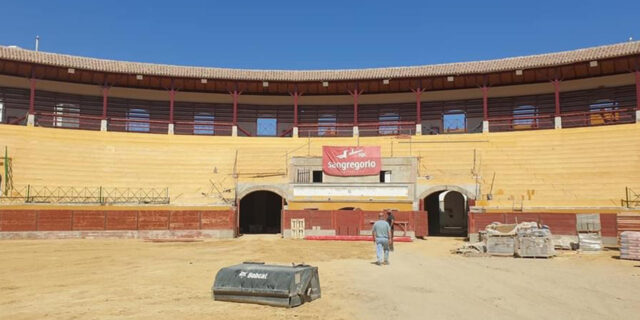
{"type": "Point", "coordinates": [581, 167]}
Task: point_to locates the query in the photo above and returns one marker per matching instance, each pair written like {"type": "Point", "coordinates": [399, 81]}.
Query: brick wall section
{"type": "Point", "coordinates": [122, 220]}
{"type": "Point", "coordinates": [13, 220]}
{"type": "Point", "coordinates": [153, 220]}
{"type": "Point", "coordinates": [609, 225]}
{"type": "Point", "coordinates": [349, 222]}
{"type": "Point", "coordinates": [320, 218]}
{"type": "Point", "coordinates": [214, 220]}
{"type": "Point", "coordinates": [90, 220]}
{"type": "Point", "coordinates": [55, 220]}
{"type": "Point", "coordinates": [560, 223]}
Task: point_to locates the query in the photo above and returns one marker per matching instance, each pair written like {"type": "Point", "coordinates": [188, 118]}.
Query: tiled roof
{"type": "Point", "coordinates": [459, 68]}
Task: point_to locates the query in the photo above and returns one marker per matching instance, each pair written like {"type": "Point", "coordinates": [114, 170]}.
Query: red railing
{"type": "Point", "coordinates": [598, 118]}
{"type": "Point", "coordinates": [286, 133]}
{"type": "Point", "coordinates": [247, 133]}
{"type": "Point", "coordinates": [325, 130]}
{"type": "Point", "coordinates": [138, 125]}
{"type": "Point", "coordinates": [67, 121]}
{"type": "Point", "coordinates": [386, 128]}
{"type": "Point", "coordinates": [19, 121]}
{"type": "Point", "coordinates": [210, 128]}
{"type": "Point", "coordinates": [500, 124]}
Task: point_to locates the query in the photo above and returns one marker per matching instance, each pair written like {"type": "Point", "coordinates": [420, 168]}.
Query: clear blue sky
{"type": "Point", "coordinates": [315, 34]}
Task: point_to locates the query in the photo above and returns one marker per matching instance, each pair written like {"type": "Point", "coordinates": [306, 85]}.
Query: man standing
{"type": "Point", "coordinates": [390, 220]}
{"type": "Point", "coordinates": [381, 237]}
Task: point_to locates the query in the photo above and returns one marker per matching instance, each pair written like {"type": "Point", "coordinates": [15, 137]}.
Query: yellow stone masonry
{"type": "Point", "coordinates": [581, 167]}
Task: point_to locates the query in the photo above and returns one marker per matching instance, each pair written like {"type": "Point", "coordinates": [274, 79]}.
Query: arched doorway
{"type": "Point", "coordinates": [448, 213]}
{"type": "Point", "coordinates": [260, 212]}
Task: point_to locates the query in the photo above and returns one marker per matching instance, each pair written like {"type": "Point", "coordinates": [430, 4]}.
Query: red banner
{"type": "Point", "coordinates": [351, 161]}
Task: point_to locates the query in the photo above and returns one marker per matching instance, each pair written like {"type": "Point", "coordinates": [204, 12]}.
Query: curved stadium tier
{"type": "Point", "coordinates": [102, 148]}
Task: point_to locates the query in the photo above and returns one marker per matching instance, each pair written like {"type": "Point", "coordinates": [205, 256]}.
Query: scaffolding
{"type": "Point", "coordinates": [6, 183]}
{"type": "Point", "coordinates": [86, 195]}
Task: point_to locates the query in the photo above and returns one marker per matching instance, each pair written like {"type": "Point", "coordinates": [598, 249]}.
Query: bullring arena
{"type": "Point", "coordinates": [126, 186]}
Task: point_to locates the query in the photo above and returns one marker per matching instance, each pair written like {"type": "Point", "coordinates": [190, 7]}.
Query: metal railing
{"type": "Point", "coordinates": [207, 128]}
{"type": "Point", "coordinates": [632, 199]}
{"type": "Point", "coordinates": [86, 195]}
{"type": "Point", "coordinates": [598, 118]}
{"type": "Point", "coordinates": [386, 128]}
{"type": "Point", "coordinates": [67, 121]}
{"type": "Point", "coordinates": [325, 130]}
{"type": "Point", "coordinates": [138, 125]}
{"type": "Point", "coordinates": [500, 124]}
{"type": "Point", "coordinates": [70, 120]}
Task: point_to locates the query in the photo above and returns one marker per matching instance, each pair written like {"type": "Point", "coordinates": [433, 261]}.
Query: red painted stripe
{"type": "Point", "coordinates": [354, 238]}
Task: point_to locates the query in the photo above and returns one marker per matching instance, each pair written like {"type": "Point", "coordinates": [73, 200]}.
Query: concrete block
{"type": "Point", "coordinates": [557, 121]}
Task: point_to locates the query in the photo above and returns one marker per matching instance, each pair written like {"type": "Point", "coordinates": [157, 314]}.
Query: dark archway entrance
{"type": "Point", "coordinates": [260, 212]}
{"type": "Point", "coordinates": [448, 212]}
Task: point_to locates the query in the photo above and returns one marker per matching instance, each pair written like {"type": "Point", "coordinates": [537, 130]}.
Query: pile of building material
{"type": "Point", "coordinates": [630, 245]}
{"type": "Point", "coordinates": [534, 242]}
{"type": "Point", "coordinates": [526, 239]}
{"type": "Point", "coordinates": [501, 239]}
{"type": "Point", "coordinates": [588, 228]}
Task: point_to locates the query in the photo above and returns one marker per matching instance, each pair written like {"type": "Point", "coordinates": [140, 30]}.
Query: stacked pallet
{"type": "Point", "coordinates": [628, 221]}
{"type": "Point", "coordinates": [630, 245]}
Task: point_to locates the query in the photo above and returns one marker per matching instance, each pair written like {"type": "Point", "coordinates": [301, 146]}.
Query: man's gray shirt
{"type": "Point", "coordinates": [381, 229]}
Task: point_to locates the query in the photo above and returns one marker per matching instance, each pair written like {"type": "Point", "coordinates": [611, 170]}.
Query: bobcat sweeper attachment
{"type": "Point", "coordinates": [256, 282]}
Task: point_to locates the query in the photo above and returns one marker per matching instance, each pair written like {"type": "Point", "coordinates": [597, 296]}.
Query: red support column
{"type": "Point", "coordinates": [172, 95]}
{"type": "Point", "coordinates": [418, 93]}
{"type": "Point", "coordinates": [32, 95]}
{"type": "Point", "coordinates": [105, 94]}
{"type": "Point", "coordinates": [485, 103]}
{"type": "Point", "coordinates": [295, 96]}
{"type": "Point", "coordinates": [235, 94]}
{"type": "Point", "coordinates": [638, 90]}
{"type": "Point", "coordinates": [556, 88]}
{"type": "Point", "coordinates": [356, 93]}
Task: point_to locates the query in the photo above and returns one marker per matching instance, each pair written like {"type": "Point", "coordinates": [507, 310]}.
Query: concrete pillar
{"type": "Point", "coordinates": [103, 125]}
{"type": "Point", "coordinates": [171, 128]}
{"type": "Point", "coordinates": [234, 131]}
{"type": "Point", "coordinates": [418, 129]}
{"type": "Point", "coordinates": [31, 120]}
{"type": "Point", "coordinates": [294, 133]}
{"type": "Point", "coordinates": [485, 126]}
{"type": "Point", "coordinates": [637, 116]}
{"type": "Point", "coordinates": [557, 122]}
{"type": "Point", "coordinates": [355, 131]}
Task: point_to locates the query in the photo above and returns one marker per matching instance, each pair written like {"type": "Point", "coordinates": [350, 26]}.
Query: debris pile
{"type": "Point", "coordinates": [526, 239]}
{"type": "Point", "coordinates": [630, 245]}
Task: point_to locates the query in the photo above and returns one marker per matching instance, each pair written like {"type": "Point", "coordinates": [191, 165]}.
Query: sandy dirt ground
{"type": "Point", "coordinates": [134, 279]}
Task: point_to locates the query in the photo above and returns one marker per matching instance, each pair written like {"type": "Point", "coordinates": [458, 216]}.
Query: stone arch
{"type": "Point", "coordinates": [467, 193]}
{"type": "Point", "coordinates": [275, 189]}
{"type": "Point", "coordinates": [447, 209]}
{"type": "Point", "coordinates": [260, 212]}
